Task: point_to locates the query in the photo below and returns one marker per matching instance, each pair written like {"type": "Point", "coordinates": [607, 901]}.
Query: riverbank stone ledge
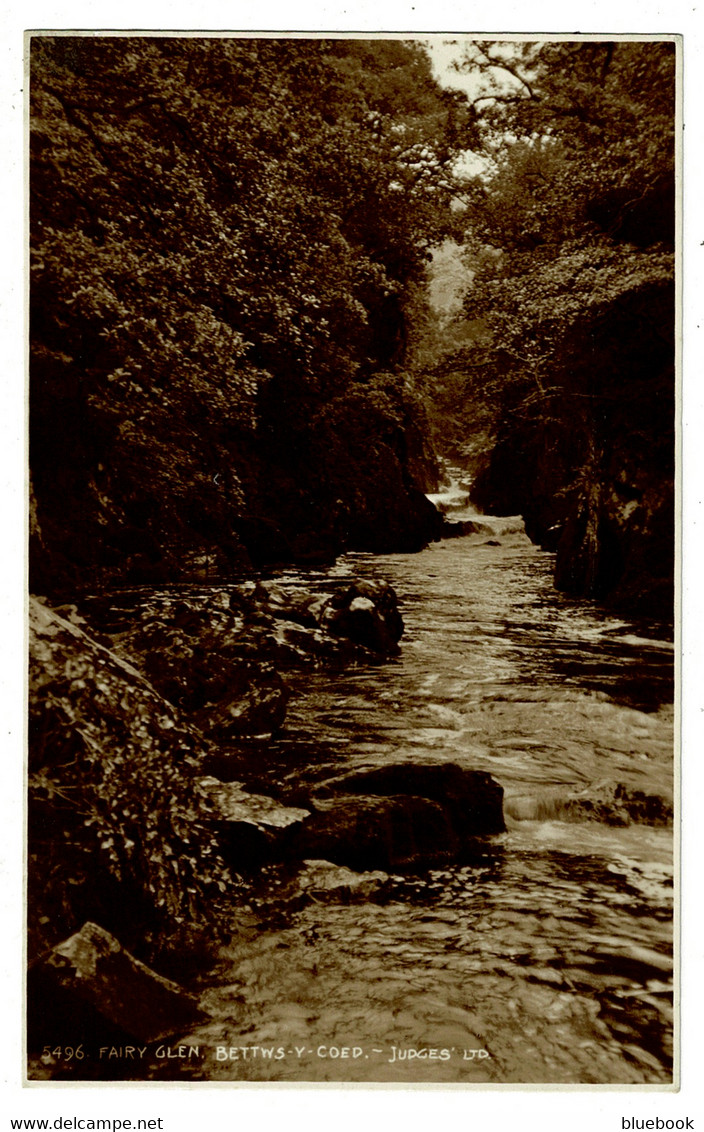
{"type": "Point", "coordinates": [221, 657]}
{"type": "Point", "coordinates": [89, 984]}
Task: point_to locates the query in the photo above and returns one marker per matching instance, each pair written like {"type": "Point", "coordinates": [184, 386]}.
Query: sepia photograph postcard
{"type": "Point", "coordinates": [353, 525]}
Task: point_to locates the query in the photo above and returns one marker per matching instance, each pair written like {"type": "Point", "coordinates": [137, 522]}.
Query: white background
{"type": "Point", "coordinates": [204, 1107]}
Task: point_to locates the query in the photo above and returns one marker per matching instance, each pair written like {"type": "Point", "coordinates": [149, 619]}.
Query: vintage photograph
{"type": "Point", "coordinates": [352, 432]}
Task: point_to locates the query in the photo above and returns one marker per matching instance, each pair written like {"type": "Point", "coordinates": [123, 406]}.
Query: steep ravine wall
{"type": "Point", "coordinates": [591, 468]}
{"type": "Point", "coordinates": [166, 508]}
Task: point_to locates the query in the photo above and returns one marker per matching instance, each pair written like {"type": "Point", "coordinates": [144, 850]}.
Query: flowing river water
{"type": "Point", "coordinates": [548, 958]}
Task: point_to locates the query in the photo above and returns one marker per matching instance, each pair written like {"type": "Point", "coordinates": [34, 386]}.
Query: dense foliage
{"type": "Point", "coordinates": [227, 235]}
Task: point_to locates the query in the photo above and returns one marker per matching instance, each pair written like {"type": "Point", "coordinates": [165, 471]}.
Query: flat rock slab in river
{"type": "Point", "coordinates": [233, 803]}
{"type": "Point", "coordinates": [324, 881]}
{"type": "Point", "coordinates": [251, 828]}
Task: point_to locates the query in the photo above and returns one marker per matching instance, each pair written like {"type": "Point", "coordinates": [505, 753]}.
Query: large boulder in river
{"type": "Point", "coordinates": [361, 615]}
{"type": "Point", "coordinates": [401, 816]}
{"type": "Point", "coordinates": [367, 613]}
{"type": "Point", "coordinates": [374, 832]}
{"type": "Point", "coordinates": [472, 799]}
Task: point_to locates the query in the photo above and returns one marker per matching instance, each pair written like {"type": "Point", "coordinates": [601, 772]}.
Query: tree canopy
{"type": "Point", "coordinates": [226, 233]}
{"type": "Point", "coordinates": [576, 198]}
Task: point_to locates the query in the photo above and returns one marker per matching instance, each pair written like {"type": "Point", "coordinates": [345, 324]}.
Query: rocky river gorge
{"type": "Point", "coordinates": [538, 953]}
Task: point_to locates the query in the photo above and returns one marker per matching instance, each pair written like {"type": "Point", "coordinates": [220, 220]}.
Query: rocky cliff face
{"type": "Point", "coordinates": [352, 475]}
{"type": "Point", "coordinates": [591, 467]}
{"type": "Point", "coordinates": [162, 506]}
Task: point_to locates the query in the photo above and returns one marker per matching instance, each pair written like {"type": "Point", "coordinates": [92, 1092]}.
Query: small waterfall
{"type": "Point", "coordinates": [454, 502]}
